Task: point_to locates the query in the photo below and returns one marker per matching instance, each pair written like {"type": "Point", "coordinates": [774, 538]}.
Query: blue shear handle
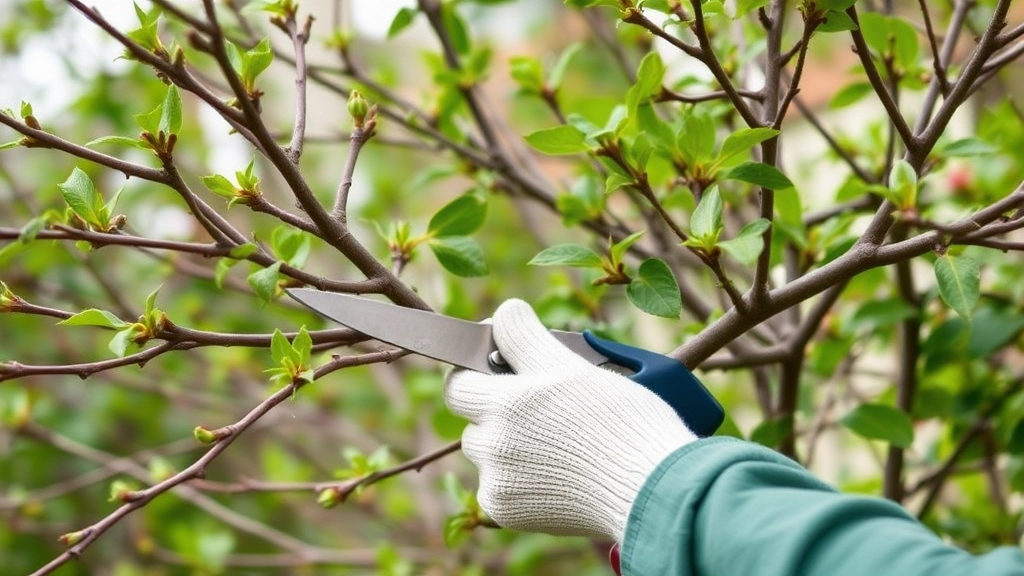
{"type": "Point", "coordinates": [669, 379]}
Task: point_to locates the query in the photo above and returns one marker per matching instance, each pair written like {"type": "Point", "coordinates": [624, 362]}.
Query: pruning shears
{"type": "Point", "coordinates": [469, 345]}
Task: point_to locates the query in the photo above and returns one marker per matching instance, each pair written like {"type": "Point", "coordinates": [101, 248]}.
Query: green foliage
{"type": "Point", "coordinates": [292, 359]}
{"type": "Point", "coordinates": [654, 290]}
{"type": "Point", "coordinates": [881, 422]}
{"type": "Point", "coordinates": [959, 280]}
{"type": "Point", "coordinates": [614, 182]}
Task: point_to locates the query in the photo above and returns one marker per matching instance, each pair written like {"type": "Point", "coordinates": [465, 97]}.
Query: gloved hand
{"type": "Point", "coordinates": [562, 446]}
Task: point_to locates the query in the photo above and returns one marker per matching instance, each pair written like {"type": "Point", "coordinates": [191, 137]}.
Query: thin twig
{"type": "Point", "coordinates": [939, 69]}
{"type": "Point", "coordinates": [299, 40]}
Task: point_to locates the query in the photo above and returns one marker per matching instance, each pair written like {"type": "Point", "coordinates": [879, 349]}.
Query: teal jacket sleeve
{"type": "Point", "coordinates": [724, 507]}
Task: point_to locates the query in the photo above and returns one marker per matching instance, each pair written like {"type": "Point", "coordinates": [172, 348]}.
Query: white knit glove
{"type": "Point", "coordinates": [562, 446]}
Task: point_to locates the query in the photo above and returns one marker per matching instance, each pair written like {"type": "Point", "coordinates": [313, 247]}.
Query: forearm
{"type": "Point", "coordinates": [722, 507]}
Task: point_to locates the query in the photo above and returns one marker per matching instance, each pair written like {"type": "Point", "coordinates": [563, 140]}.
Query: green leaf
{"type": "Point", "coordinates": [561, 65]}
{"type": "Point", "coordinates": [291, 245]}
{"type": "Point", "coordinates": [759, 174]}
{"type": "Point", "coordinates": [459, 255]}
{"type": "Point", "coordinates": [122, 343]}
{"type": "Point", "coordinates": [771, 433]}
{"type": "Point", "coordinates": [264, 281]}
{"type": "Point", "coordinates": [150, 121]}
{"type": "Point", "coordinates": [903, 184]}
{"type": "Point", "coordinates": [460, 217]}
{"type": "Point", "coordinates": [618, 250]}
{"type": "Point", "coordinates": [9, 145]}
{"type": "Point", "coordinates": [119, 141]}
{"type": "Point", "coordinates": [94, 317]}
{"type": "Point", "coordinates": [559, 140]}
{"type": "Point", "coordinates": [749, 243]}
{"type": "Point", "coordinates": [744, 139]}
{"type": "Point", "coordinates": [649, 76]}
{"type": "Point", "coordinates": [219, 185]}
{"type": "Point", "coordinates": [836, 21]}
{"type": "Point", "coordinates": [456, 27]}
{"type": "Point", "coordinates": [527, 72]}
{"type": "Point", "coordinates": [967, 147]}
{"type": "Point", "coordinates": [255, 61]}
{"type": "Point", "coordinates": [959, 280]}
{"type": "Point", "coordinates": [991, 329]}
{"type": "Point", "coordinates": [567, 255]}
{"type": "Point", "coordinates": [170, 117]}
{"type": "Point", "coordinates": [654, 289]}
{"type": "Point", "coordinates": [834, 4]}
{"type": "Point", "coordinates": [279, 346]}
{"type": "Point", "coordinates": [81, 195]}
{"type": "Point", "coordinates": [879, 313]}
{"type": "Point", "coordinates": [850, 94]}
{"type": "Point", "coordinates": [243, 251]}
{"type": "Point", "coordinates": [706, 221]}
{"type": "Point", "coordinates": [303, 346]}
{"type": "Point", "coordinates": [456, 529]}
{"type": "Point", "coordinates": [881, 422]}
{"type": "Point", "coordinates": [696, 137]}
{"type": "Point", "coordinates": [151, 300]}
{"type": "Point", "coordinates": [401, 21]}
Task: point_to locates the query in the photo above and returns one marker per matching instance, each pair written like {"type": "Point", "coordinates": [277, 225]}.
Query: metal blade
{"type": "Point", "coordinates": [459, 342]}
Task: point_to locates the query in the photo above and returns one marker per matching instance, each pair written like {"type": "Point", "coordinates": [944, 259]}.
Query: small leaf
{"type": "Point", "coordinates": [459, 255]}
{"type": "Point", "coordinates": [881, 422]}
{"type": "Point", "coordinates": [649, 76]}
{"type": "Point", "coordinates": [744, 139]}
{"type": "Point", "coordinates": [456, 28]}
{"type": "Point", "coordinates": [255, 61]}
{"type": "Point", "coordinates": [170, 117]}
{"type": "Point", "coordinates": [151, 300]}
{"type": "Point", "coordinates": [243, 251]}
{"type": "Point", "coordinates": [219, 185]}
{"type": "Point", "coordinates": [618, 250]}
{"type": "Point", "coordinates": [959, 280]}
{"type": "Point", "coordinates": [835, 4]}
{"type": "Point", "coordinates": [706, 221]}
{"type": "Point", "coordinates": [559, 140]}
{"type": "Point", "coordinates": [81, 195]}
{"type": "Point", "coordinates": [460, 217]}
{"type": "Point", "coordinates": [122, 342]}
{"type": "Point", "coordinates": [303, 346]}
{"type": "Point", "coordinates": [527, 72]}
{"type": "Point", "coordinates": [903, 184]}
{"type": "Point", "coordinates": [401, 21]}
{"type": "Point", "coordinates": [291, 245]}
{"type": "Point", "coordinates": [12, 144]}
{"type": "Point", "coordinates": [749, 243]}
{"type": "Point", "coordinates": [94, 317]}
{"type": "Point", "coordinates": [655, 290]}
{"type": "Point", "coordinates": [456, 529]}
{"type": "Point", "coordinates": [759, 174]}
{"type": "Point", "coordinates": [264, 281]}
{"type": "Point", "coordinates": [836, 21]}
{"type": "Point", "coordinates": [850, 94]}
{"type": "Point", "coordinates": [150, 121]}
{"type": "Point", "coordinates": [567, 255]}
{"type": "Point", "coordinates": [279, 346]}
{"type": "Point", "coordinates": [118, 140]}
{"type": "Point", "coordinates": [558, 70]}
{"type": "Point", "coordinates": [967, 147]}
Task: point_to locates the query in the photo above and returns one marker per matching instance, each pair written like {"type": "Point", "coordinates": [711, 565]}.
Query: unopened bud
{"type": "Point", "coordinates": [72, 538]}
{"type": "Point", "coordinates": [329, 497]}
{"type": "Point", "coordinates": [358, 107]}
